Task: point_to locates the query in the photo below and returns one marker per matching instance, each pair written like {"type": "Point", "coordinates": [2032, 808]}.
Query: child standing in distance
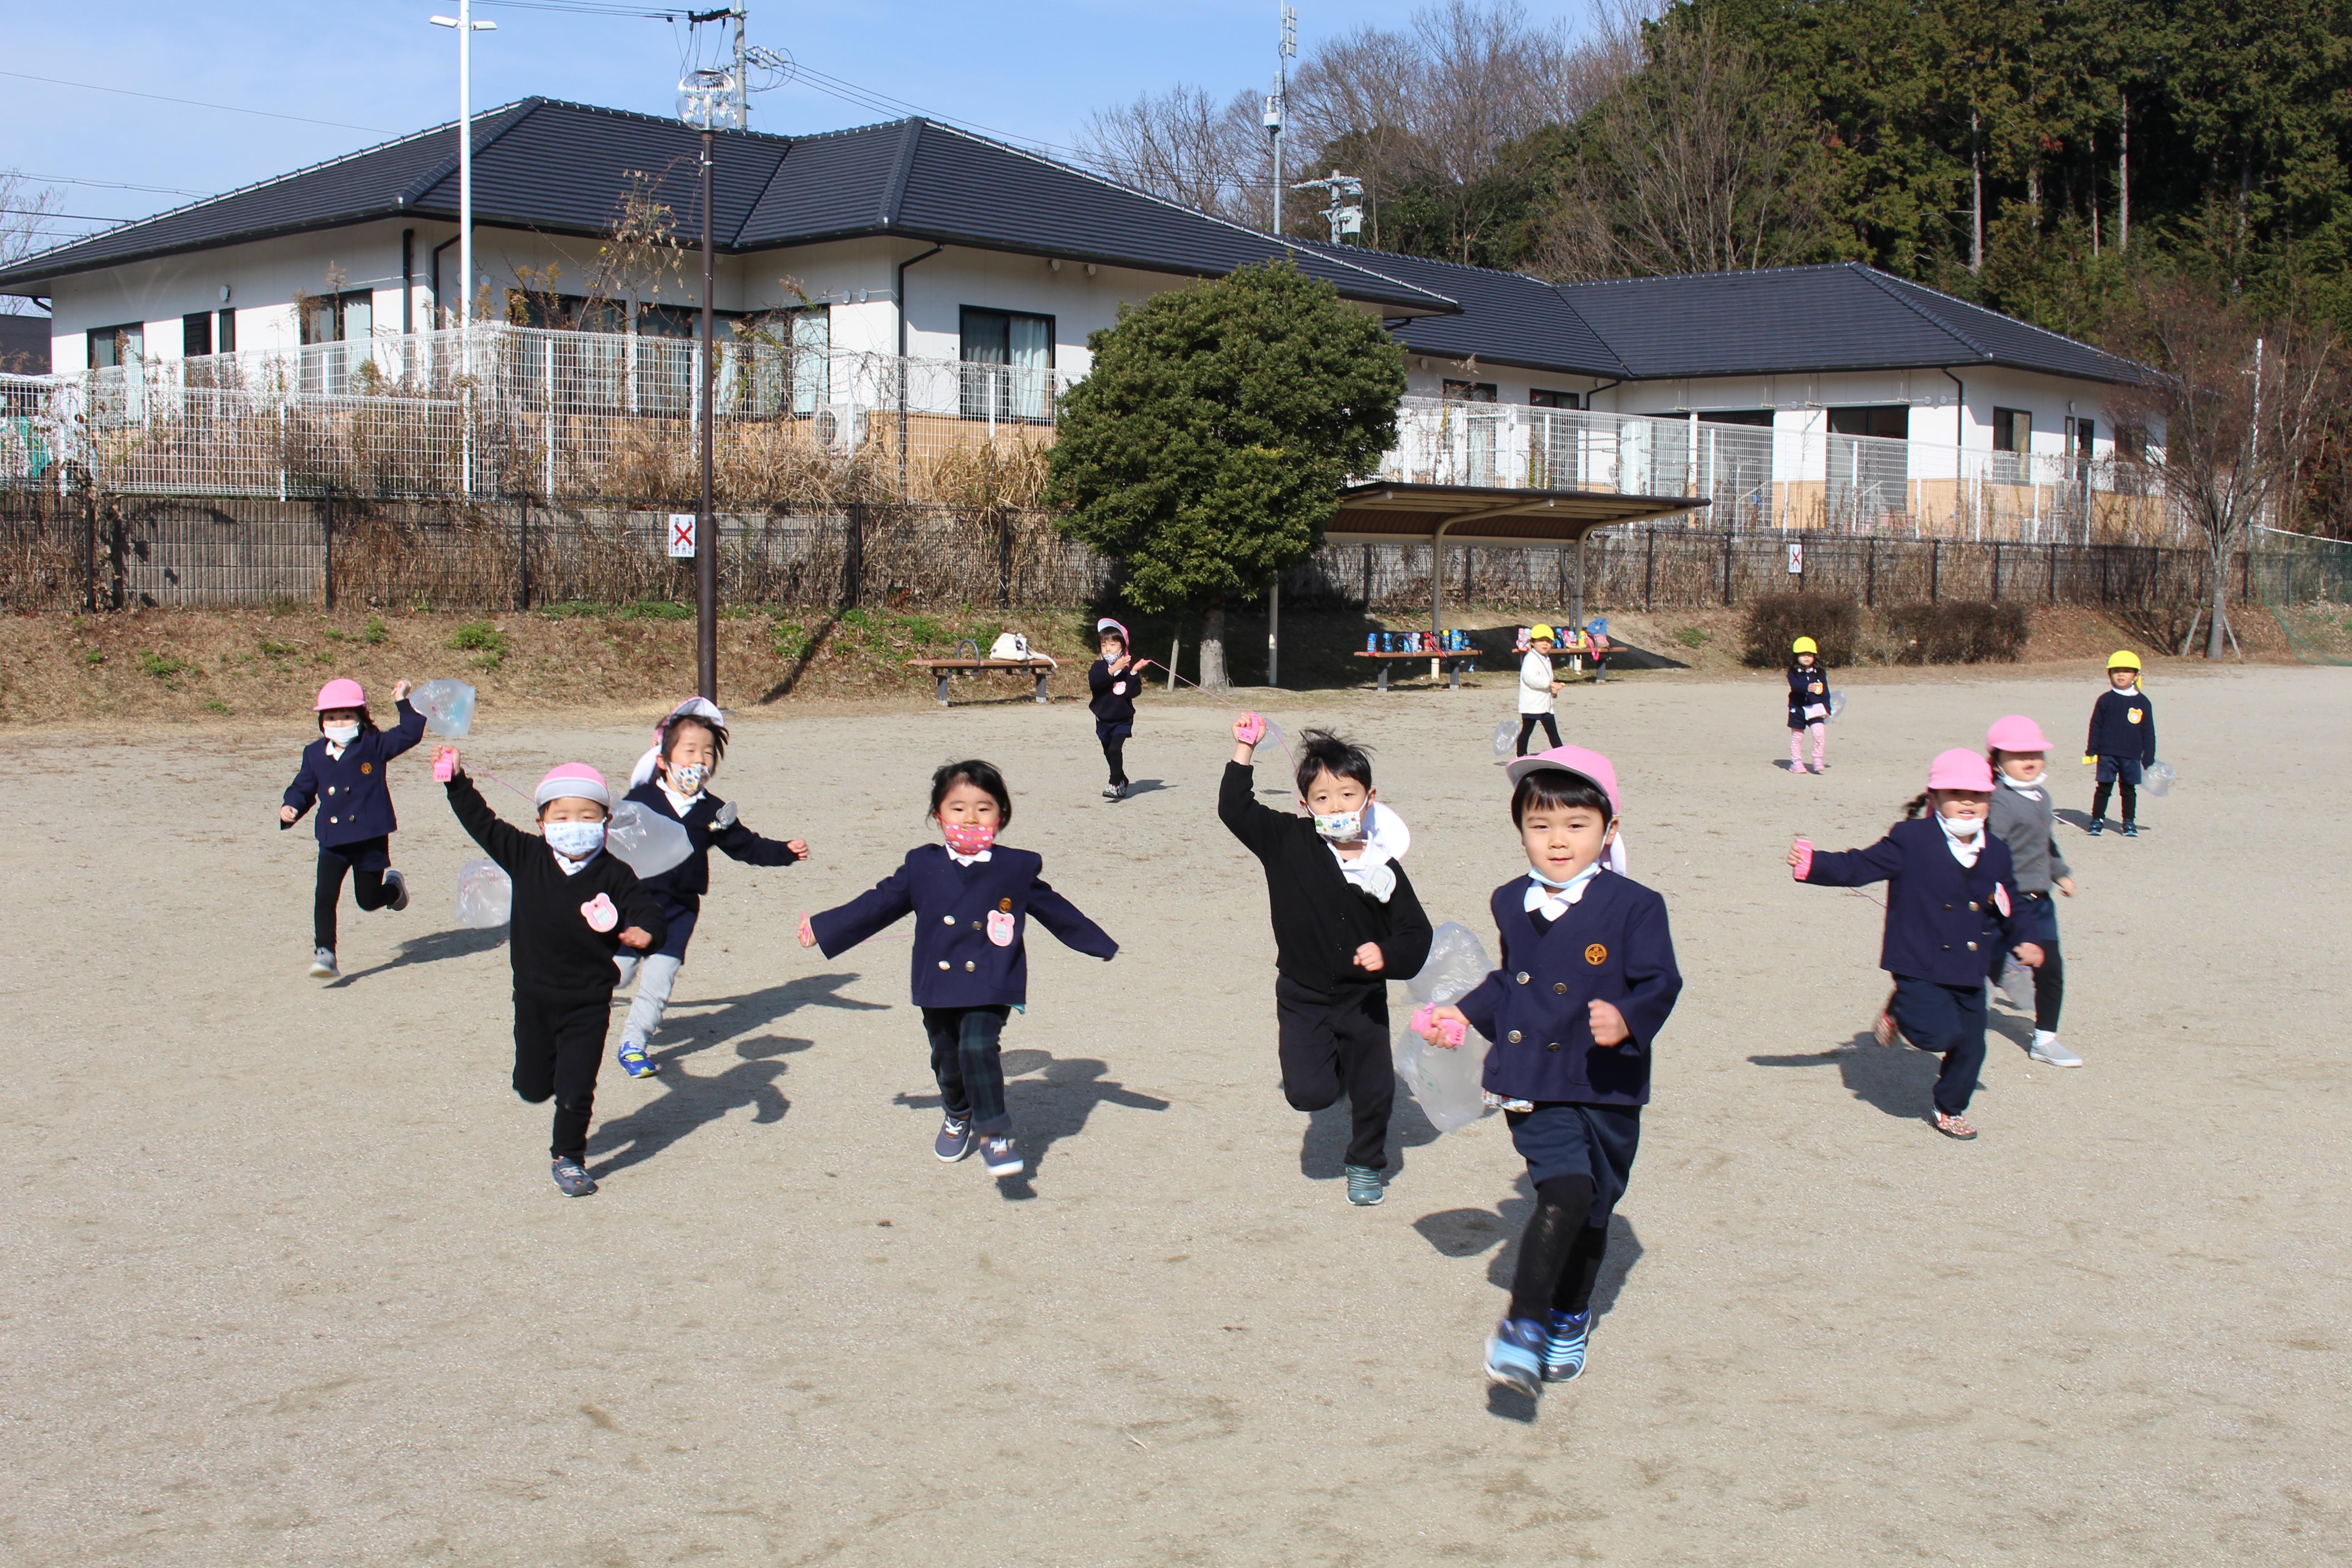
{"type": "Point", "coordinates": [2022, 818]}
{"type": "Point", "coordinates": [1345, 921]}
{"type": "Point", "coordinates": [686, 752]}
{"type": "Point", "coordinates": [2122, 743]}
{"type": "Point", "coordinates": [1115, 678]}
{"type": "Point", "coordinates": [345, 774]}
{"type": "Point", "coordinates": [574, 908]}
{"type": "Point", "coordinates": [1808, 704]}
{"type": "Point", "coordinates": [1951, 911]}
{"type": "Point", "coordinates": [972, 902]}
{"type": "Point", "coordinates": [1536, 688]}
{"type": "Point", "coordinates": [1588, 980]}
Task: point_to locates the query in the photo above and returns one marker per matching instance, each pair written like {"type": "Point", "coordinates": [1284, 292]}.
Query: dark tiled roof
{"type": "Point", "coordinates": [1506, 318]}
{"type": "Point", "coordinates": [565, 168]}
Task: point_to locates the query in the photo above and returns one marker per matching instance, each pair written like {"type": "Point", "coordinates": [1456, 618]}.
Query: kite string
{"type": "Point", "coordinates": [1228, 702]}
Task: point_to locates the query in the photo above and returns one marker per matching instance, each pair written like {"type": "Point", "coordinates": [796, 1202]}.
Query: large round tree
{"type": "Point", "coordinates": [1206, 447]}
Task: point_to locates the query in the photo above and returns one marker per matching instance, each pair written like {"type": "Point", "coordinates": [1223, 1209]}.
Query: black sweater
{"type": "Point", "coordinates": [1319, 917]}
{"type": "Point", "coordinates": [1111, 707]}
{"type": "Point", "coordinates": [558, 956]}
{"type": "Point", "coordinates": [2123, 725]}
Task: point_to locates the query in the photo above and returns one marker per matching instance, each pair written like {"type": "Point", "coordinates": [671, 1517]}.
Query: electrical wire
{"type": "Point", "coordinates": [106, 184]}
{"type": "Point", "coordinates": [71, 217]}
{"type": "Point", "coordinates": [195, 104]}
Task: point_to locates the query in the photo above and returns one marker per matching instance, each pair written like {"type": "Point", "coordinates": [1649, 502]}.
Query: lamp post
{"type": "Point", "coordinates": [467, 28]}
{"type": "Point", "coordinates": [708, 100]}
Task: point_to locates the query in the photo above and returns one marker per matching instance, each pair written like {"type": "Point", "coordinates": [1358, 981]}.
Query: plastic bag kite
{"type": "Point", "coordinates": [448, 707]}
{"type": "Point", "coordinates": [650, 842]}
{"type": "Point", "coordinates": [485, 895]}
{"type": "Point", "coordinates": [1448, 1082]}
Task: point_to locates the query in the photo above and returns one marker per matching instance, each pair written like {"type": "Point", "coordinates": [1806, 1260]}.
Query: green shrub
{"type": "Point", "coordinates": [1957, 632]}
{"type": "Point", "coordinates": [277, 649]}
{"type": "Point", "coordinates": [1777, 620]}
{"type": "Point", "coordinates": [94, 656]}
{"type": "Point", "coordinates": [215, 705]}
{"type": "Point", "coordinates": [376, 631]}
{"type": "Point", "coordinates": [478, 637]}
{"type": "Point", "coordinates": [1694, 638]}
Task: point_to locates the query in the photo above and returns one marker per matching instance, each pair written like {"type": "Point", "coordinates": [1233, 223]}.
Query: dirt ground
{"type": "Point", "coordinates": [285, 1280]}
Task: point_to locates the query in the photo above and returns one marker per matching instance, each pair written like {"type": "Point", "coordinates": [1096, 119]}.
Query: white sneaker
{"type": "Point", "coordinates": [2046, 1049]}
{"type": "Point", "coordinates": [397, 886]}
{"type": "Point", "coordinates": [322, 965]}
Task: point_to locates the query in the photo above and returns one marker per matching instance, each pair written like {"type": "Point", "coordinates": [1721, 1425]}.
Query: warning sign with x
{"type": "Point", "coordinates": [681, 533]}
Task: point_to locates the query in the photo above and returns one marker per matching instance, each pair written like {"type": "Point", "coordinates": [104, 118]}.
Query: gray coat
{"type": "Point", "coordinates": [2024, 823]}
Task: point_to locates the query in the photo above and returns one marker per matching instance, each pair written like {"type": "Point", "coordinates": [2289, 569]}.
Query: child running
{"type": "Point", "coordinates": [1345, 922]}
{"type": "Point", "coordinates": [1951, 911]}
{"type": "Point", "coordinates": [972, 902]}
{"type": "Point", "coordinates": [345, 774]}
{"type": "Point", "coordinates": [1588, 980]}
{"type": "Point", "coordinates": [574, 907]}
{"type": "Point", "coordinates": [1808, 704]}
{"type": "Point", "coordinates": [2122, 743]}
{"type": "Point", "coordinates": [2022, 818]}
{"type": "Point", "coordinates": [1538, 686]}
{"type": "Point", "coordinates": [671, 779]}
{"type": "Point", "coordinates": [1115, 678]}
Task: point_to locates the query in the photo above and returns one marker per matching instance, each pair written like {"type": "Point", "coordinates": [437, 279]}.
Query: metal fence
{"type": "Point", "coordinates": [512, 411]}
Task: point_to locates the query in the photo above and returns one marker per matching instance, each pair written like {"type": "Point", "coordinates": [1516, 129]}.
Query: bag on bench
{"type": "Point", "coordinates": [1014, 646]}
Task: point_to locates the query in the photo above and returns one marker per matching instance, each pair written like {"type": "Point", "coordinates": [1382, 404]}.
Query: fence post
{"type": "Point", "coordinates": [853, 555]}
{"type": "Point", "coordinates": [1996, 571]}
{"type": "Point", "coordinates": [1727, 568]}
{"type": "Point", "coordinates": [1935, 568]}
{"type": "Point", "coordinates": [1649, 564]}
{"type": "Point", "coordinates": [90, 550]}
{"type": "Point", "coordinates": [522, 540]}
{"type": "Point", "coordinates": [1367, 579]}
{"type": "Point", "coordinates": [1004, 559]}
{"type": "Point", "coordinates": [118, 550]}
{"type": "Point", "coordinates": [2106, 578]}
{"type": "Point", "coordinates": [326, 537]}
{"type": "Point", "coordinates": [2053, 571]}
{"type": "Point", "coordinates": [1870, 572]}
{"type": "Point", "coordinates": [2245, 575]}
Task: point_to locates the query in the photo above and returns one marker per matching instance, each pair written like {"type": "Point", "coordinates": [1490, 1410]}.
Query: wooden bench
{"type": "Point", "coordinates": [1452, 660]}
{"type": "Point", "coordinates": [941, 669]}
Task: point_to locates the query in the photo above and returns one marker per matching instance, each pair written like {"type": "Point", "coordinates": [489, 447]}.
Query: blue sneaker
{"type": "Point", "coordinates": [954, 1140]}
{"type": "Point", "coordinates": [1002, 1155]}
{"type": "Point", "coordinates": [633, 1059]}
{"type": "Point", "coordinates": [1563, 1355]}
{"type": "Point", "coordinates": [1364, 1188]}
{"type": "Point", "coordinates": [2098, 825]}
{"type": "Point", "coordinates": [1515, 1355]}
{"type": "Point", "coordinates": [2131, 830]}
{"type": "Point", "coordinates": [571, 1178]}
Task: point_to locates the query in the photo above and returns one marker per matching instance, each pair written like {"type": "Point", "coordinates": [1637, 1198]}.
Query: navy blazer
{"type": "Point", "coordinates": [1943, 921]}
{"type": "Point", "coordinates": [684, 884]}
{"type": "Point", "coordinates": [2123, 725]}
{"type": "Point", "coordinates": [1807, 688]}
{"type": "Point", "coordinates": [352, 793]}
{"type": "Point", "coordinates": [958, 963]}
{"type": "Point", "coordinates": [1613, 946]}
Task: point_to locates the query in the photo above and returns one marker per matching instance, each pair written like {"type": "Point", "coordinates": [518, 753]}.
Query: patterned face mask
{"type": "Point", "coordinates": [574, 840]}
{"type": "Point", "coordinates": [1340, 827]}
{"type": "Point", "coordinates": [969, 837]}
{"type": "Point", "coordinates": [690, 779]}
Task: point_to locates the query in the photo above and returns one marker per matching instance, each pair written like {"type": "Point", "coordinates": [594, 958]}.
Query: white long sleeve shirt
{"type": "Point", "coordinates": [1535, 683]}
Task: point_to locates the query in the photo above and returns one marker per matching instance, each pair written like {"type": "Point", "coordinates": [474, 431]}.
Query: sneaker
{"type": "Point", "coordinates": [322, 965]}
{"type": "Point", "coordinates": [1364, 1188]}
{"type": "Point", "coordinates": [954, 1140]}
{"type": "Point", "coordinates": [1515, 1355]}
{"type": "Point", "coordinates": [1110, 791]}
{"type": "Point", "coordinates": [396, 886]}
{"type": "Point", "coordinates": [1119, 791]}
{"type": "Point", "coordinates": [1958, 1127]}
{"type": "Point", "coordinates": [2098, 825]}
{"type": "Point", "coordinates": [571, 1179]}
{"type": "Point", "coordinates": [1887, 1032]}
{"type": "Point", "coordinates": [2131, 830]}
{"type": "Point", "coordinates": [1000, 1155]}
{"type": "Point", "coordinates": [1819, 768]}
{"type": "Point", "coordinates": [633, 1059]}
{"type": "Point", "coordinates": [1563, 1355]}
{"type": "Point", "coordinates": [2046, 1048]}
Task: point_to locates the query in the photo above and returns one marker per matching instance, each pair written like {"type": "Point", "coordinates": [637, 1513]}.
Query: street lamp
{"type": "Point", "coordinates": [708, 100]}
{"type": "Point", "coordinates": [467, 28]}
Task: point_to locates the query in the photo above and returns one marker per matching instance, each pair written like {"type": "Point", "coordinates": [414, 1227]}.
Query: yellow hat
{"type": "Point", "coordinates": [1541, 634]}
{"type": "Point", "coordinates": [2123, 658]}
{"type": "Point", "coordinates": [1804, 644]}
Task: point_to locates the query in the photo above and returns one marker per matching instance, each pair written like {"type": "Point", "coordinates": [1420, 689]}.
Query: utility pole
{"type": "Point", "coordinates": [467, 28]}
{"type": "Point", "coordinates": [1277, 106]}
{"type": "Point", "coordinates": [1346, 213]}
{"type": "Point", "coordinates": [709, 100]}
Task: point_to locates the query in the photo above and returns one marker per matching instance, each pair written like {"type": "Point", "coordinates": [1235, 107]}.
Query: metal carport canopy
{"type": "Point", "coordinates": [1481, 515]}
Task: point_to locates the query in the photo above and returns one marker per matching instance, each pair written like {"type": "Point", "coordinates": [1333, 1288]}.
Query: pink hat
{"type": "Point", "coordinates": [1109, 625]}
{"type": "Point", "coordinates": [1960, 768]}
{"type": "Point", "coordinates": [2016, 733]}
{"type": "Point", "coordinates": [1569, 759]}
{"type": "Point", "coordinates": [341, 693]}
{"type": "Point", "coordinates": [577, 781]}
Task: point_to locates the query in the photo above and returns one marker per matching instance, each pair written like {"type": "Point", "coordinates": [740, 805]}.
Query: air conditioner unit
{"type": "Point", "coordinates": [840, 427]}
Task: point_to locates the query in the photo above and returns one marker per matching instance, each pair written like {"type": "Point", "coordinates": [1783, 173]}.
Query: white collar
{"type": "Point", "coordinates": [1964, 850]}
{"type": "Point", "coordinates": [573, 867]}
{"type": "Point", "coordinates": [968, 859]}
{"type": "Point", "coordinates": [2032, 791]}
{"type": "Point", "coordinates": [679, 804]}
{"type": "Point", "coordinates": [1554, 897]}
{"type": "Point", "coordinates": [335, 752]}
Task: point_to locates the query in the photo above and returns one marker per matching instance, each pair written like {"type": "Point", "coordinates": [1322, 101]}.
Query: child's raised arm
{"type": "Point", "coordinates": [502, 841]}
{"type": "Point", "coordinates": [411, 728]}
{"type": "Point", "coordinates": [1848, 867]}
{"type": "Point", "coordinates": [1070, 926]}
{"type": "Point", "coordinates": [839, 929]}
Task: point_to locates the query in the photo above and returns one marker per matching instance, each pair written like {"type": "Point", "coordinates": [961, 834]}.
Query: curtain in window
{"type": "Point", "coordinates": [812, 349]}
{"type": "Point", "coordinates": [1030, 346]}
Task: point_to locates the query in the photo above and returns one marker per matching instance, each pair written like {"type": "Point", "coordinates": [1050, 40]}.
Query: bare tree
{"type": "Point", "coordinates": [26, 211]}
{"type": "Point", "coordinates": [1700, 161]}
{"type": "Point", "coordinates": [1184, 147]}
{"type": "Point", "coordinates": [2239, 403]}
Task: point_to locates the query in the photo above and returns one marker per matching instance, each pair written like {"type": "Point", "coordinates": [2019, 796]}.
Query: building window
{"type": "Point", "coordinates": [339, 317]}
{"type": "Point", "coordinates": [224, 340]}
{"type": "Point", "coordinates": [112, 346]}
{"type": "Point", "coordinates": [1761, 418]}
{"type": "Point", "coordinates": [1008, 361]}
{"type": "Point", "coordinates": [2079, 433]}
{"type": "Point", "coordinates": [1886, 421]}
{"type": "Point", "coordinates": [197, 334]}
{"type": "Point", "coordinates": [2013, 430]}
{"type": "Point", "coordinates": [1542, 398]}
{"type": "Point", "coordinates": [1470, 392]}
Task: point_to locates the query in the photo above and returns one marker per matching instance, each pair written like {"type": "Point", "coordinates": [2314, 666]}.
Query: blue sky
{"type": "Point", "coordinates": [1033, 70]}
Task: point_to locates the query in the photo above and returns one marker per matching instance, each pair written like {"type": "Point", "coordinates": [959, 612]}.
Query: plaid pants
{"type": "Point", "coordinates": [965, 1060]}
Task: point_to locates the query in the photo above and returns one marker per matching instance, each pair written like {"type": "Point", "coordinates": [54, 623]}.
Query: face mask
{"type": "Point", "coordinates": [688, 780]}
{"type": "Point", "coordinates": [1963, 827]}
{"type": "Point", "coordinates": [343, 735]}
{"type": "Point", "coordinates": [969, 837]}
{"type": "Point", "coordinates": [1340, 827]}
{"type": "Point", "coordinates": [574, 840]}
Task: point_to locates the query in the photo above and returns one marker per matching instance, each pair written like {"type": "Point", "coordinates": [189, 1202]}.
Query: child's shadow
{"type": "Point", "coordinates": [1323, 1147]}
{"type": "Point", "coordinates": [459, 942]}
{"type": "Point", "coordinates": [2072, 817]}
{"type": "Point", "coordinates": [1897, 1080]}
{"type": "Point", "coordinates": [1050, 1098]}
{"type": "Point", "coordinates": [1465, 1233]}
{"type": "Point", "coordinates": [1147, 786]}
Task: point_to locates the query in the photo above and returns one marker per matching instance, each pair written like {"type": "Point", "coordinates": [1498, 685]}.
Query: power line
{"type": "Point", "coordinates": [106, 184]}
{"type": "Point", "coordinates": [74, 217]}
{"type": "Point", "coordinates": [194, 103]}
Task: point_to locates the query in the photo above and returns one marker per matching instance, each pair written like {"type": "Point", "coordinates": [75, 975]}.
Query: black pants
{"type": "Point", "coordinates": [1948, 1020]}
{"type": "Point", "coordinates": [1528, 722]}
{"type": "Point", "coordinates": [1115, 753]}
{"type": "Point", "coordinates": [2099, 800]}
{"type": "Point", "coordinates": [1338, 1045]}
{"type": "Point", "coordinates": [368, 857]}
{"type": "Point", "coordinates": [968, 1065]}
{"type": "Point", "coordinates": [1560, 1255]}
{"type": "Point", "coordinates": [559, 1046]}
